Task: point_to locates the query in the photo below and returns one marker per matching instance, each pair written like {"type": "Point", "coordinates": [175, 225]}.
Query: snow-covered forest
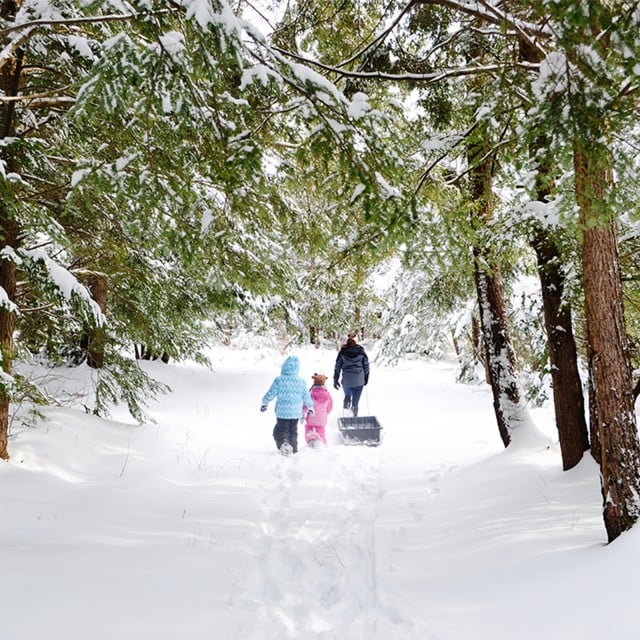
{"type": "Point", "coordinates": [443, 178]}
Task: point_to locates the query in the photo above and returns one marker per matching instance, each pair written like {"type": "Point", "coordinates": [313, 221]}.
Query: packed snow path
{"type": "Point", "coordinates": [314, 569]}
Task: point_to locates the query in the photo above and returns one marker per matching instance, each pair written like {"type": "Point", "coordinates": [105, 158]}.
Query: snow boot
{"type": "Point", "coordinates": [286, 449]}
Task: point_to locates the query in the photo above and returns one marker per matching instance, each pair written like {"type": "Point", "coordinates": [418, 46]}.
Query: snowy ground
{"type": "Point", "coordinates": [193, 527]}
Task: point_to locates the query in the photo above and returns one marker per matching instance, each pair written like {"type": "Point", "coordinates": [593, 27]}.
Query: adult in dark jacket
{"type": "Point", "coordinates": [353, 363]}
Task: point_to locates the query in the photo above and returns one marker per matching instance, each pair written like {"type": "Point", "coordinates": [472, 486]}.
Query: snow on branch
{"type": "Point", "coordinates": [5, 303]}
{"type": "Point", "coordinates": [65, 282]}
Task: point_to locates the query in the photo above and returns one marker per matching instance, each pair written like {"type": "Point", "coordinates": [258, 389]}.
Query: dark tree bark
{"type": "Point", "coordinates": [568, 399]}
{"type": "Point", "coordinates": [96, 336]}
{"type": "Point", "coordinates": [10, 235]}
{"type": "Point", "coordinates": [10, 232]}
{"type": "Point", "coordinates": [142, 352]}
{"type": "Point", "coordinates": [596, 449]}
{"type": "Point", "coordinates": [499, 352]}
{"type": "Point", "coordinates": [613, 392]}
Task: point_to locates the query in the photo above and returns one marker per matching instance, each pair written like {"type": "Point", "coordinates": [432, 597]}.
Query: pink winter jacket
{"type": "Point", "coordinates": [322, 405]}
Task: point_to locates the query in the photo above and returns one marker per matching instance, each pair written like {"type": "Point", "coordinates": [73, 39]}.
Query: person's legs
{"type": "Point", "coordinates": [286, 430]}
{"type": "Point", "coordinates": [356, 392]}
{"type": "Point", "coordinates": [293, 435]}
{"type": "Point", "coordinates": [313, 433]}
{"type": "Point", "coordinates": [309, 432]}
{"type": "Point", "coordinates": [347, 397]}
{"type": "Point", "coordinates": [281, 432]}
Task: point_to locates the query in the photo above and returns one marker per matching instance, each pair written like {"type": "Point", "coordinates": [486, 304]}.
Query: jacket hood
{"type": "Point", "coordinates": [291, 366]}
{"type": "Point", "coordinates": [352, 351]}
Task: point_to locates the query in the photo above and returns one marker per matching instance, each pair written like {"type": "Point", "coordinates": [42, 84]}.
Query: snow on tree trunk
{"type": "Point", "coordinates": [7, 325]}
{"type": "Point", "coordinates": [9, 235]}
{"type": "Point", "coordinates": [608, 345]}
{"type": "Point", "coordinates": [511, 414]}
{"type": "Point", "coordinates": [499, 353]}
{"type": "Point", "coordinates": [568, 398]}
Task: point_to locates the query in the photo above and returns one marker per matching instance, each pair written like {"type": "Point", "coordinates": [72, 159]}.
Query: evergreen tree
{"type": "Point", "coordinates": [140, 154]}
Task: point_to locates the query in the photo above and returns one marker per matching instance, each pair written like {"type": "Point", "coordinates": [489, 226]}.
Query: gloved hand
{"type": "Point", "coordinates": [366, 381]}
{"type": "Point", "coordinates": [263, 407]}
{"type": "Point", "coordinates": [311, 412]}
{"type": "Point", "coordinates": [336, 384]}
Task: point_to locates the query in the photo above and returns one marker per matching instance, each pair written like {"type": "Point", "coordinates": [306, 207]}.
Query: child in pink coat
{"type": "Point", "coordinates": [314, 429]}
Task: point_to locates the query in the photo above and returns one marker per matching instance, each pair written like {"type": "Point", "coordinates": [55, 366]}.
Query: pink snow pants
{"type": "Point", "coordinates": [314, 432]}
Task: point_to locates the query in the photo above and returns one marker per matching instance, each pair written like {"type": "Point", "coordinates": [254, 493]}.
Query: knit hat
{"type": "Point", "coordinates": [319, 378]}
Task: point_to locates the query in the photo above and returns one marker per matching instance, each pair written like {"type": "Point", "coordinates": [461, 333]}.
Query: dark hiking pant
{"type": "Point", "coordinates": [286, 430]}
{"type": "Point", "coordinates": [352, 398]}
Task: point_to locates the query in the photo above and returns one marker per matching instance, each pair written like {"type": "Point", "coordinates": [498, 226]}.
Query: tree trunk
{"type": "Point", "coordinates": [568, 399]}
{"type": "Point", "coordinates": [96, 336]}
{"type": "Point", "coordinates": [499, 352]}
{"type": "Point", "coordinates": [9, 230]}
{"type": "Point", "coordinates": [10, 237]}
{"type": "Point", "coordinates": [608, 345]}
{"type": "Point", "coordinates": [478, 347]}
{"type": "Point", "coordinates": [596, 449]}
{"type": "Point", "coordinates": [500, 357]}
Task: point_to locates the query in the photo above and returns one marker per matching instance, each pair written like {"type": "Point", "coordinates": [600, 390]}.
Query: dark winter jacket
{"type": "Point", "coordinates": [290, 391]}
{"type": "Point", "coordinates": [353, 362]}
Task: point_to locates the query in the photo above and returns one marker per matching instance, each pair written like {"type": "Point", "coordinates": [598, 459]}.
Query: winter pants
{"type": "Point", "coordinates": [352, 398]}
{"type": "Point", "coordinates": [286, 430]}
{"type": "Point", "coordinates": [314, 432]}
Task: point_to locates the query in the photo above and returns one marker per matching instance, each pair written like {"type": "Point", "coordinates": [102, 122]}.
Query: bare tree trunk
{"type": "Point", "coordinates": [499, 352]}
{"type": "Point", "coordinates": [596, 449]}
{"type": "Point", "coordinates": [9, 230]}
{"type": "Point", "coordinates": [568, 398]}
{"type": "Point", "coordinates": [10, 237]}
{"type": "Point", "coordinates": [98, 286]}
{"type": "Point", "coordinates": [606, 334]}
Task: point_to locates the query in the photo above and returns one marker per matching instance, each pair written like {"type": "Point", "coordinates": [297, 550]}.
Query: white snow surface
{"type": "Point", "coordinates": [194, 527]}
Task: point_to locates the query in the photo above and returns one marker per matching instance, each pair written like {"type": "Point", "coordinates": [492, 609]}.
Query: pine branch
{"type": "Point", "coordinates": [429, 78]}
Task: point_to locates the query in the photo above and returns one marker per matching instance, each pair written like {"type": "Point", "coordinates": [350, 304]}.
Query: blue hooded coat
{"type": "Point", "coordinates": [290, 391]}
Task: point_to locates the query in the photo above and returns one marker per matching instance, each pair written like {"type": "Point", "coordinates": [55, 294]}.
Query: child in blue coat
{"type": "Point", "coordinates": [292, 402]}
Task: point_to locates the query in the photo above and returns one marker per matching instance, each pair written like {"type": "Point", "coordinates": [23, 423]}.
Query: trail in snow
{"type": "Point", "coordinates": [314, 559]}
